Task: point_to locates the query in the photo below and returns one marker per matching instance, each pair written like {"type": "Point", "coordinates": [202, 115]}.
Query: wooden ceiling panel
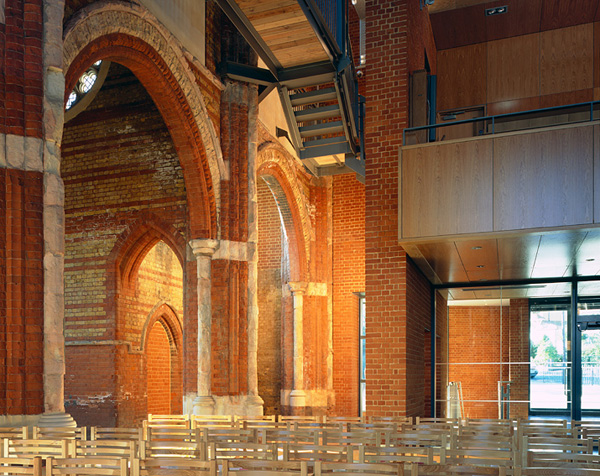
{"type": "Point", "coordinates": [459, 23]}
{"type": "Point", "coordinates": [461, 27]}
{"type": "Point", "coordinates": [521, 18]}
{"type": "Point", "coordinates": [478, 256]}
{"type": "Point", "coordinates": [556, 254]}
{"type": "Point", "coordinates": [444, 259]}
{"type": "Point", "coordinates": [561, 14]}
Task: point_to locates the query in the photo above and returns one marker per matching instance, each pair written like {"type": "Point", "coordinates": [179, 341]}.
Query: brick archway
{"type": "Point", "coordinates": [129, 35]}
{"type": "Point", "coordinates": [128, 272]}
{"type": "Point", "coordinates": [274, 168]}
{"type": "Point", "coordinates": [163, 321]}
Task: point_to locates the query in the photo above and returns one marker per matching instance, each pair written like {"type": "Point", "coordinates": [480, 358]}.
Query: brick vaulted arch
{"type": "Point", "coordinates": [275, 169]}
{"type": "Point", "coordinates": [128, 34]}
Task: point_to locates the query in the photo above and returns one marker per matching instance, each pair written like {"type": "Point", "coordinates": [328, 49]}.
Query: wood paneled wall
{"type": "Point", "coordinates": [525, 72]}
{"type": "Point", "coordinates": [516, 181]}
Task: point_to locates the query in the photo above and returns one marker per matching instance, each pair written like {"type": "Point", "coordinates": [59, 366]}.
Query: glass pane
{"type": "Point", "coordinates": [363, 324]}
{"type": "Point", "coordinates": [550, 366]}
{"type": "Point", "coordinates": [363, 365]}
{"type": "Point", "coordinates": [590, 353]}
{"type": "Point", "coordinates": [363, 397]}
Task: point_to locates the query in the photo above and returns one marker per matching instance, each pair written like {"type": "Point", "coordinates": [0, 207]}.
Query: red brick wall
{"type": "Point", "coordinates": [348, 216]}
{"type": "Point", "coordinates": [21, 84]}
{"type": "Point", "coordinates": [21, 293]}
{"type": "Point", "coordinates": [270, 257]}
{"type": "Point", "coordinates": [391, 295]}
{"type": "Point", "coordinates": [476, 336]}
{"type": "Point", "coordinates": [519, 352]}
{"type": "Point", "coordinates": [158, 355]}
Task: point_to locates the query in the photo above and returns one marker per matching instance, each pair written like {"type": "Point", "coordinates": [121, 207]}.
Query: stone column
{"type": "Point", "coordinates": [203, 250]}
{"type": "Point", "coordinates": [54, 221]}
{"type": "Point", "coordinates": [255, 403]}
{"type": "Point", "coordinates": [297, 395]}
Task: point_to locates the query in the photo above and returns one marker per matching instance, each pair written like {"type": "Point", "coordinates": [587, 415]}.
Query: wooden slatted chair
{"type": "Point", "coordinates": [102, 433]}
{"type": "Point", "coordinates": [21, 466]}
{"type": "Point", "coordinates": [300, 418]}
{"type": "Point", "coordinates": [343, 419]}
{"type": "Point", "coordinates": [254, 467]}
{"type": "Point", "coordinates": [395, 454]}
{"type": "Point", "coordinates": [562, 471]}
{"type": "Point", "coordinates": [232, 435]}
{"type": "Point", "coordinates": [19, 448]}
{"type": "Point", "coordinates": [168, 420]}
{"type": "Point", "coordinates": [395, 420]}
{"type": "Point", "coordinates": [59, 433]}
{"type": "Point", "coordinates": [301, 436]}
{"type": "Point", "coordinates": [324, 468]}
{"type": "Point", "coordinates": [173, 467]}
{"type": "Point", "coordinates": [480, 457]}
{"type": "Point", "coordinates": [173, 449]}
{"type": "Point", "coordinates": [295, 452]}
{"type": "Point", "coordinates": [104, 448]}
{"type": "Point", "coordinates": [87, 466]}
{"type": "Point", "coordinates": [14, 432]}
{"type": "Point", "coordinates": [208, 421]}
{"type": "Point", "coordinates": [228, 450]}
{"type": "Point", "coordinates": [452, 470]}
{"type": "Point", "coordinates": [356, 437]}
{"type": "Point", "coordinates": [557, 458]}
{"type": "Point", "coordinates": [161, 433]}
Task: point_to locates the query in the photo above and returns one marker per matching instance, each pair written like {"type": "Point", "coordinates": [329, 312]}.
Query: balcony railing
{"type": "Point", "coordinates": [523, 120]}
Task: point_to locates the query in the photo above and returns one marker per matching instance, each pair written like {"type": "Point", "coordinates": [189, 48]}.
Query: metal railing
{"type": "Point", "coordinates": [334, 16]}
{"type": "Point", "coordinates": [490, 122]}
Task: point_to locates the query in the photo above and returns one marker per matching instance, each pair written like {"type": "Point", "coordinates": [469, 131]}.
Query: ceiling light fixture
{"type": "Point", "coordinates": [495, 11]}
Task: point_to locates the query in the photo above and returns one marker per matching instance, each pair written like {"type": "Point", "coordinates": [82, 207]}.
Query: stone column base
{"type": "Point", "coordinates": [297, 398]}
{"type": "Point", "coordinates": [254, 405]}
{"type": "Point", "coordinates": [56, 420]}
{"type": "Point", "coordinates": [204, 405]}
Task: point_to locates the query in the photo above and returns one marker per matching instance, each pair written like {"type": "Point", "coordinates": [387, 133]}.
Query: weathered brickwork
{"type": "Point", "coordinates": [159, 371]}
{"type": "Point", "coordinates": [270, 268]}
{"type": "Point", "coordinates": [21, 293]}
{"type": "Point", "coordinates": [21, 81]}
{"type": "Point", "coordinates": [119, 168]}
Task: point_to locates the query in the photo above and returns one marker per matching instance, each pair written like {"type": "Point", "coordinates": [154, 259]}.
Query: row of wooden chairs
{"type": "Point", "coordinates": [90, 466]}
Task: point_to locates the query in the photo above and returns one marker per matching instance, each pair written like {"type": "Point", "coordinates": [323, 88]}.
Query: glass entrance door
{"type": "Point", "coordinates": [550, 360]}
{"type": "Point", "coordinates": [590, 358]}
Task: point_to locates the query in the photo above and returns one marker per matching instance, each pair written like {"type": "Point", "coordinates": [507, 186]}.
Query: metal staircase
{"type": "Point", "coordinates": [317, 84]}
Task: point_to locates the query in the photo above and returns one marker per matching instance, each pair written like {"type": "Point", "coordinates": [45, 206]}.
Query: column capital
{"type": "Point", "coordinates": [297, 288]}
{"type": "Point", "coordinates": [204, 247]}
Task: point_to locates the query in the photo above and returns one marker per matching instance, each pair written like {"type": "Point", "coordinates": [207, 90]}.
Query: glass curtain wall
{"type": "Point", "coordinates": [507, 351]}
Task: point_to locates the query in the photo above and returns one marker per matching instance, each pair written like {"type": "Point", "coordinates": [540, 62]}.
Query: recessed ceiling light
{"type": "Point", "coordinates": [496, 10]}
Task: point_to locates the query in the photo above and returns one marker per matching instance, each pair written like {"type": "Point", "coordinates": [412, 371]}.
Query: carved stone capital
{"type": "Point", "coordinates": [204, 247]}
{"type": "Point", "coordinates": [297, 288]}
